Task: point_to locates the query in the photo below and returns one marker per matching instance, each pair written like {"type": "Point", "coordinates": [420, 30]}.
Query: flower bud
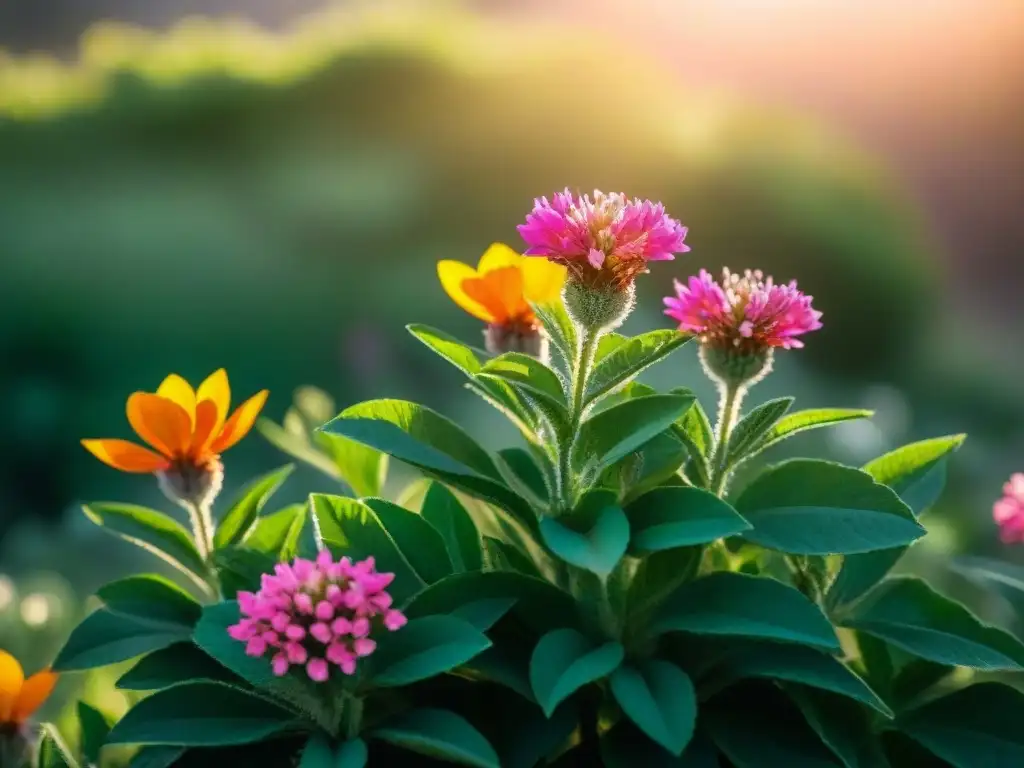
{"type": "Point", "coordinates": [736, 367]}
{"type": "Point", "coordinates": [192, 485]}
{"type": "Point", "coordinates": [598, 308]}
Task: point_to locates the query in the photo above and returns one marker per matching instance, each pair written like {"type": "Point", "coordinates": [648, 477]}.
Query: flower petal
{"type": "Point", "coordinates": [216, 389]}
{"type": "Point", "coordinates": [501, 292]}
{"type": "Point", "coordinates": [34, 692]}
{"type": "Point", "coordinates": [179, 391]}
{"type": "Point", "coordinates": [497, 256]}
{"type": "Point", "coordinates": [125, 456]}
{"type": "Point", "coordinates": [453, 275]}
{"type": "Point", "coordinates": [208, 424]}
{"type": "Point", "coordinates": [160, 422]}
{"type": "Point", "coordinates": [542, 280]}
{"type": "Point", "coordinates": [12, 677]}
{"type": "Point", "coordinates": [240, 423]}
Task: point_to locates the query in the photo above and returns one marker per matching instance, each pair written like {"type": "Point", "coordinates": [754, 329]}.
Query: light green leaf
{"type": "Point", "coordinates": [629, 358]}
{"type": "Point", "coordinates": [95, 726]}
{"type": "Point", "coordinates": [106, 637]}
{"type": "Point", "coordinates": [811, 507]}
{"type": "Point", "coordinates": [564, 661]}
{"type": "Point", "coordinates": [363, 469]}
{"type": "Point", "coordinates": [424, 648]}
{"type": "Point", "coordinates": [615, 432]}
{"type": "Point", "coordinates": [451, 349]}
{"type": "Point", "coordinates": [659, 698]}
{"type": "Point", "coordinates": [53, 752]}
{"type": "Point", "coordinates": [527, 373]}
{"type": "Point", "coordinates": [671, 517]}
{"type": "Point", "coordinates": [598, 549]}
{"type": "Point", "coordinates": [813, 418]}
{"type": "Point", "coordinates": [455, 525]}
{"type": "Point", "coordinates": [245, 509]}
{"type": "Point", "coordinates": [694, 430]}
{"type": "Point", "coordinates": [278, 533]}
{"type": "Point", "coordinates": [559, 328]}
{"type": "Point", "coordinates": [752, 428]}
{"type": "Point", "coordinates": [415, 537]}
{"type": "Point", "coordinates": [438, 733]}
{"type": "Point", "coordinates": [152, 597]}
{"type": "Point", "coordinates": [293, 439]}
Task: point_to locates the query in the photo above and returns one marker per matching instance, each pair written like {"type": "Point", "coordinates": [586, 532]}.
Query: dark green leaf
{"type": "Point", "coordinates": [615, 432]}
{"type": "Point", "coordinates": [694, 429]}
{"type": "Point", "coordinates": [152, 597]}
{"type": "Point", "coordinates": [525, 471]}
{"type": "Point", "coordinates": [95, 726]}
{"type": "Point", "coordinates": [559, 328]}
{"type": "Point", "coordinates": [598, 549]}
{"type": "Point", "coordinates": [915, 679]}
{"type": "Point", "coordinates": [106, 637]}
{"type": "Point", "coordinates": [458, 531]}
{"type": "Point", "coordinates": [842, 724]}
{"type": "Point", "coordinates": [625, 746]}
{"type": "Point", "coordinates": [811, 507]}
{"type": "Point", "coordinates": [352, 754]}
{"type": "Point", "coordinates": [630, 358]}
{"type": "Point", "coordinates": [671, 517]}
{"type": "Point", "coordinates": [727, 603]}
{"type": "Point", "coordinates": [425, 647]}
{"type": "Point", "coordinates": [318, 753]}
{"type": "Point", "coordinates": [241, 515]}
{"type": "Point", "coordinates": [907, 613]}
{"type": "Point", "coordinates": [415, 537]}
{"type": "Point", "coordinates": [527, 373]}
{"type": "Point", "coordinates": [657, 576]}
{"type": "Point", "coordinates": [753, 427]}
{"type": "Point", "coordinates": [241, 569]}
{"type": "Point", "coordinates": [53, 752]}
{"type": "Point", "coordinates": [527, 738]}
{"type": "Point", "coordinates": [813, 418]}
{"type": "Point", "coordinates": [202, 714]}
{"type": "Point", "coordinates": [157, 757]}
{"type": "Point", "coordinates": [174, 664]}
{"type": "Point", "coordinates": [441, 734]}
{"type": "Point", "coordinates": [564, 661]}
{"type": "Point", "coordinates": [659, 698]}
{"type": "Point", "coordinates": [153, 531]}
{"type": "Point", "coordinates": [277, 534]}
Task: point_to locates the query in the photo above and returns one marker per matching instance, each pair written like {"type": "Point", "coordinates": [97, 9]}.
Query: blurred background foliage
{"type": "Point", "coordinates": [217, 194]}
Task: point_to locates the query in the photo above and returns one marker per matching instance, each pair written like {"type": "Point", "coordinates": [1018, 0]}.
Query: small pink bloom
{"type": "Point", "coordinates": [243, 630]}
{"type": "Point", "coordinates": [324, 560]}
{"type": "Point", "coordinates": [246, 602]}
{"type": "Point", "coordinates": [394, 620]}
{"type": "Point", "coordinates": [295, 632]}
{"type": "Point", "coordinates": [297, 653]}
{"type": "Point", "coordinates": [381, 601]}
{"type": "Point", "coordinates": [1008, 512]}
{"type": "Point", "coordinates": [354, 598]}
{"type": "Point", "coordinates": [341, 626]}
{"type": "Point", "coordinates": [321, 632]}
{"type": "Point", "coordinates": [364, 646]}
{"type": "Point", "coordinates": [256, 646]}
{"type": "Point", "coordinates": [280, 664]}
{"type": "Point", "coordinates": [303, 603]}
{"type": "Point", "coordinates": [360, 627]}
{"type": "Point", "coordinates": [324, 611]}
{"type": "Point", "coordinates": [334, 594]}
{"type": "Point", "coordinates": [280, 621]}
{"type": "Point", "coordinates": [317, 670]}
{"type": "Point", "coordinates": [338, 654]}
{"type": "Point", "coordinates": [271, 638]}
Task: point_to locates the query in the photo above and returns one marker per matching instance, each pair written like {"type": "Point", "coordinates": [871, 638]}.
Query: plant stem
{"type": "Point", "coordinates": [728, 412]}
{"type": "Point", "coordinates": [585, 349]}
{"type": "Point", "coordinates": [202, 531]}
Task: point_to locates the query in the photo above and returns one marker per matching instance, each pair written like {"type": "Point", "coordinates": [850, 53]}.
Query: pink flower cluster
{"type": "Point", "coordinates": [747, 311]}
{"type": "Point", "coordinates": [605, 239]}
{"type": "Point", "coordinates": [317, 613]}
{"type": "Point", "coordinates": [1009, 510]}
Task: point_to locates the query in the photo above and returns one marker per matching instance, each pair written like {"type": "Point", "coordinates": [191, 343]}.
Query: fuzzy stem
{"type": "Point", "coordinates": [585, 349]}
{"type": "Point", "coordinates": [202, 527]}
{"type": "Point", "coordinates": [728, 413]}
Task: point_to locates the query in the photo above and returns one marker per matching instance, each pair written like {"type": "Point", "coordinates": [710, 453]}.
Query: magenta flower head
{"type": "Point", "coordinates": [1009, 511]}
{"type": "Point", "coordinates": [741, 320]}
{"type": "Point", "coordinates": [317, 615]}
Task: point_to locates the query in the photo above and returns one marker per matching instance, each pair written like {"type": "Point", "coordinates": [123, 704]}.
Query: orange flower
{"type": "Point", "coordinates": [20, 698]}
{"type": "Point", "coordinates": [502, 287]}
{"type": "Point", "coordinates": [185, 427]}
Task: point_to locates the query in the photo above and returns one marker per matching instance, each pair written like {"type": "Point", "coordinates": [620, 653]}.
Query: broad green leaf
{"type": "Point", "coordinates": [615, 432]}
{"type": "Point", "coordinates": [915, 679]}
{"type": "Point", "coordinates": [318, 753]}
{"type": "Point", "coordinates": [527, 373]}
{"type": "Point", "coordinates": [974, 726]}
{"type": "Point", "coordinates": [241, 515]}
{"type": "Point", "coordinates": [157, 757]}
{"type": "Point", "coordinates": [352, 754]}
{"type": "Point", "coordinates": [241, 569]}
{"type": "Point", "coordinates": [560, 330]}
{"type": "Point", "coordinates": [350, 527]}
{"type": "Point", "coordinates": [907, 613]}
{"type": "Point", "coordinates": [726, 603]}
{"type": "Point", "coordinates": [153, 531]}
{"type": "Point", "coordinates": [278, 533]}
{"type": "Point", "coordinates": [564, 661]}
{"type": "Point", "coordinates": [694, 429]}
{"type": "Point", "coordinates": [656, 463]}
{"type": "Point", "coordinates": [363, 469]}
{"type": "Point", "coordinates": [752, 428]}
{"type": "Point", "coordinates": [171, 665]}
{"type": "Point", "coordinates": [608, 343]}
{"type": "Point", "coordinates": [671, 517]}
{"type": "Point", "coordinates": [657, 576]}
{"type": "Point", "coordinates": [842, 724]}
{"type": "Point", "coordinates": [95, 726]}
{"type": "Point", "coordinates": [438, 733]}
{"type": "Point", "coordinates": [630, 358]}
{"type": "Point", "coordinates": [415, 537]}
{"type": "Point", "coordinates": [813, 418]}
{"type": "Point", "coordinates": [451, 349]}
{"type": "Point", "coordinates": [500, 555]}
{"type": "Point", "coordinates": [151, 597]}
{"type": "Point", "coordinates": [625, 746]}
{"type": "Point", "coordinates": [53, 752]}
{"type": "Point", "coordinates": [508, 401]}
{"type": "Point", "coordinates": [917, 472]}
{"type": "Point", "coordinates": [106, 637]}
{"type": "Point", "coordinates": [202, 714]}
{"type": "Point", "coordinates": [455, 525]}
{"type": "Point", "coordinates": [293, 439]}
{"type": "Point", "coordinates": [423, 648]}
{"type": "Point", "coordinates": [659, 698]}
{"type": "Point", "coordinates": [598, 549]}
{"type": "Point", "coordinates": [811, 507]}
{"type": "Point", "coordinates": [525, 471]}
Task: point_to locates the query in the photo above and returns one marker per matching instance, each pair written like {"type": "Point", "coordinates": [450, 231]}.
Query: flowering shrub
{"type": "Point", "coordinates": [605, 594]}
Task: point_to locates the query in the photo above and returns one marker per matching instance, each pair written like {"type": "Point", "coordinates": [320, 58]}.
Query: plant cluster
{"type": "Point", "coordinates": [605, 594]}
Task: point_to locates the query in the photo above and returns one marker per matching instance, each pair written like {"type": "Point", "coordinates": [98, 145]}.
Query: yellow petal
{"type": "Point", "coordinates": [12, 677]}
{"type": "Point", "coordinates": [240, 423]}
{"type": "Point", "coordinates": [179, 391]}
{"type": "Point", "coordinates": [453, 275]}
{"type": "Point", "coordinates": [497, 256]}
{"type": "Point", "coordinates": [216, 389]}
{"type": "Point", "coordinates": [125, 456]}
{"type": "Point", "coordinates": [500, 291]}
{"type": "Point", "coordinates": [160, 422]}
{"type": "Point", "coordinates": [542, 280]}
{"type": "Point", "coordinates": [34, 692]}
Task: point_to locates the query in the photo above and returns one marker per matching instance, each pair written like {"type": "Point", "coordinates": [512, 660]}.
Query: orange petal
{"type": "Point", "coordinates": [542, 280]}
{"type": "Point", "coordinates": [12, 677]}
{"type": "Point", "coordinates": [207, 423]}
{"type": "Point", "coordinates": [34, 692]}
{"type": "Point", "coordinates": [125, 456]}
{"type": "Point", "coordinates": [163, 424]}
{"type": "Point", "coordinates": [453, 275]}
{"type": "Point", "coordinates": [240, 423]}
{"type": "Point", "coordinates": [179, 391]}
{"type": "Point", "coordinates": [497, 256]}
{"type": "Point", "coordinates": [501, 291]}
{"type": "Point", "coordinates": [217, 390]}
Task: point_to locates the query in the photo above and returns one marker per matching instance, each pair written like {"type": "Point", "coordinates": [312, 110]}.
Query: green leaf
{"type": "Point", "coordinates": [241, 515]}
{"type": "Point", "coordinates": [525, 470]}
{"type": "Point", "coordinates": [671, 517]}
{"type": "Point", "coordinates": [526, 738]}
{"type": "Point", "coordinates": [95, 726]}
{"type": "Point", "coordinates": [352, 754]}
{"type": "Point", "coordinates": [598, 550]}
{"type": "Point", "coordinates": [814, 418]}
{"type": "Point", "coordinates": [1006, 578]}
{"type": "Point", "coordinates": [917, 472]}
{"type": "Point", "coordinates": [625, 746]}
{"type": "Point", "coordinates": [915, 679]}
{"type": "Point", "coordinates": [151, 597]}
{"type": "Point", "coordinates": [415, 537]}
{"type": "Point", "coordinates": [907, 613]}
{"type": "Point", "coordinates": [293, 439]}
{"type": "Point", "coordinates": [423, 648]}
{"type": "Point", "coordinates": [438, 733]}
{"type": "Point", "coordinates": [455, 525]}
{"type": "Point", "coordinates": [752, 428]}
{"type": "Point", "coordinates": [811, 507]}
{"type": "Point", "coordinates": [171, 665]}
{"type": "Point", "coordinates": [202, 714]}
{"type": "Point", "coordinates": [615, 432]}
{"type": "Point", "coordinates": [318, 753]}
{"type": "Point", "coordinates": [559, 327]}
{"type": "Point", "coordinates": [451, 349]}
{"type": "Point", "coordinates": [350, 527]}
{"type": "Point", "coordinates": [364, 469]}
{"type": "Point", "coordinates": [726, 603]}
{"type": "Point", "coordinates": [659, 698]}
{"type": "Point", "coordinates": [974, 726]}
{"type": "Point", "coordinates": [241, 568]}
{"type": "Point", "coordinates": [694, 430]}
{"type": "Point", "coordinates": [564, 661]}
{"type": "Point", "coordinates": [153, 531]}
{"type": "Point", "coordinates": [630, 358]}
{"type": "Point", "coordinates": [157, 757]}
{"type": "Point", "coordinates": [277, 534]}
{"type": "Point", "coordinates": [657, 576]}
{"type": "Point", "coordinates": [842, 724]}
{"type": "Point", "coordinates": [106, 637]}
{"type": "Point", "coordinates": [53, 752]}
{"type": "Point", "coordinates": [527, 373]}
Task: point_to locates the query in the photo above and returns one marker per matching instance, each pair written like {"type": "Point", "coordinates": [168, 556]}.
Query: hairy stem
{"type": "Point", "coordinates": [584, 358]}
{"type": "Point", "coordinates": [728, 413]}
{"type": "Point", "coordinates": [201, 519]}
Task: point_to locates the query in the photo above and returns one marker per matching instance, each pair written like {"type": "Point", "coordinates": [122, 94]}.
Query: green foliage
{"type": "Point", "coordinates": [677, 516]}
{"type": "Point", "coordinates": [441, 734]}
{"type": "Point", "coordinates": [564, 661]}
{"type": "Point", "coordinates": [426, 647]}
{"type": "Point", "coordinates": [238, 521]}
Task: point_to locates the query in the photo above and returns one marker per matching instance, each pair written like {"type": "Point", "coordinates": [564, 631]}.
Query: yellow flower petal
{"type": "Point", "coordinates": [542, 280]}
{"type": "Point", "coordinates": [125, 456]}
{"type": "Point", "coordinates": [500, 291]}
{"type": "Point", "coordinates": [12, 677]}
{"type": "Point", "coordinates": [240, 423]}
{"type": "Point", "coordinates": [34, 692]}
{"type": "Point", "coordinates": [160, 422]}
{"type": "Point", "coordinates": [216, 389]}
{"type": "Point", "coordinates": [179, 391]}
{"type": "Point", "coordinates": [497, 256]}
{"type": "Point", "coordinates": [452, 275]}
